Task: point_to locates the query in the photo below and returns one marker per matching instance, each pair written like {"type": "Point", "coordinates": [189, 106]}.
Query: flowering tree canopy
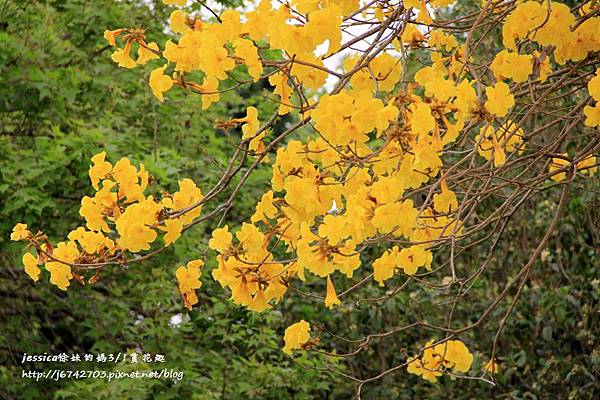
{"type": "Point", "coordinates": [410, 142]}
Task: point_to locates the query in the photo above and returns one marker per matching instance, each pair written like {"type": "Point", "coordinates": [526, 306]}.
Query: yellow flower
{"type": "Point", "coordinates": [180, 3]}
{"type": "Point", "coordinates": [146, 54]}
{"type": "Point", "coordinates": [387, 70]}
{"type": "Point", "coordinates": [500, 100]}
{"type": "Point", "coordinates": [491, 143]}
{"type": "Point", "coordinates": [217, 62]}
{"type": "Point", "coordinates": [259, 20]}
{"type": "Point", "coordinates": [91, 242]}
{"type": "Point", "coordinates": [93, 212]}
{"type": "Point", "coordinates": [445, 201]}
{"type": "Point", "coordinates": [159, 82]}
{"type": "Point", "coordinates": [60, 273]}
{"type": "Point", "coordinates": [259, 302]}
{"type": "Point", "coordinates": [99, 169]}
{"type": "Point", "coordinates": [210, 91]}
{"type": "Point", "coordinates": [20, 232]}
{"type": "Point", "coordinates": [512, 65]}
{"type": "Point", "coordinates": [283, 90]}
{"type": "Point", "coordinates": [545, 68]}
{"type": "Point", "coordinates": [451, 354]}
{"type": "Point", "coordinates": [421, 121]}
{"type": "Point", "coordinates": [134, 224]}
{"type": "Point", "coordinates": [594, 86]}
{"type": "Point", "coordinates": [189, 195]}
{"type": "Point", "coordinates": [251, 238]}
{"type": "Point", "coordinates": [588, 165]}
{"type": "Point", "coordinates": [423, 15]}
{"type": "Point", "coordinates": [385, 266]}
{"type": "Point", "coordinates": [295, 336]}
{"type": "Point", "coordinates": [402, 216]}
{"type": "Point", "coordinates": [306, 6]}
{"type": "Point", "coordinates": [413, 257]}
{"type": "Point", "coordinates": [246, 50]}
{"type": "Point", "coordinates": [265, 208]}
{"type": "Point", "coordinates": [333, 229]}
{"type": "Point", "coordinates": [188, 278]}
{"type": "Point", "coordinates": [126, 176]}
{"type": "Point", "coordinates": [178, 21]}
{"type": "Point", "coordinates": [440, 40]}
{"type": "Point", "coordinates": [457, 354]}
{"type": "Point", "coordinates": [111, 36]}
{"type": "Point", "coordinates": [310, 76]}
{"type": "Point", "coordinates": [224, 273]}
{"type": "Point", "coordinates": [173, 229]}
{"type": "Point", "coordinates": [498, 153]}
{"type": "Point", "coordinates": [242, 293]}
{"type": "Point", "coordinates": [122, 57]}
{"type": "Point", "coordinates": [331, 298]}
{"type": "Point", "coordinates": [221, 239]}
{"type": "Point", "coordinates": [350, 115]}
{"type": "Point", "coordinates": [31, 266]}
{"type": "Point", "coordinates": [523, 19]}
{"type": "Point", "coordinates": [252, 124]}
{"type": "Point", "coordinates": [230, 28]}
{"type": "Point", "coordinates": [466, 97]}
{"type": "Point", "coordinates": [592, 115]}
{"type": "Point", "coordinates": [558, 163]}
{"type": "Point", "coordinates": [323, 24]}
{"type": "Point", "coordinates": [412, 36]}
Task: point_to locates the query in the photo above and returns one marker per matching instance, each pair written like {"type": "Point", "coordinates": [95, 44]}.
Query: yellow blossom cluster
{"type": "Point", "coordinates": [188, 278]}
{"type": "Point", "coordinates": [495, 143]}
{"type": "Point", "coordinates": [122, 56]}
{"type": "Point", "coordinates": [296, 335]}
{"type": "Point", "coordinates": [247, 267]}
{"type": "Point", "coordinates": [552, 24]}
{"type": "Point", "coordinates": [559, 167]}
{"type": "Point", "coordinates": [120, 218]}
{"type": "Point", "coordinates": [451, 354]}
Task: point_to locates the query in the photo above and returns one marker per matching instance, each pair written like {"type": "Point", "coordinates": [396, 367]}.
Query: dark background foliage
{"type": "Point", "coordinates": [62, 100]}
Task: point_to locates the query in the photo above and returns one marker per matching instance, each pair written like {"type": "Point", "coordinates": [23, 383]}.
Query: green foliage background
{"type": "Point", "coordinates": [62, 100]}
